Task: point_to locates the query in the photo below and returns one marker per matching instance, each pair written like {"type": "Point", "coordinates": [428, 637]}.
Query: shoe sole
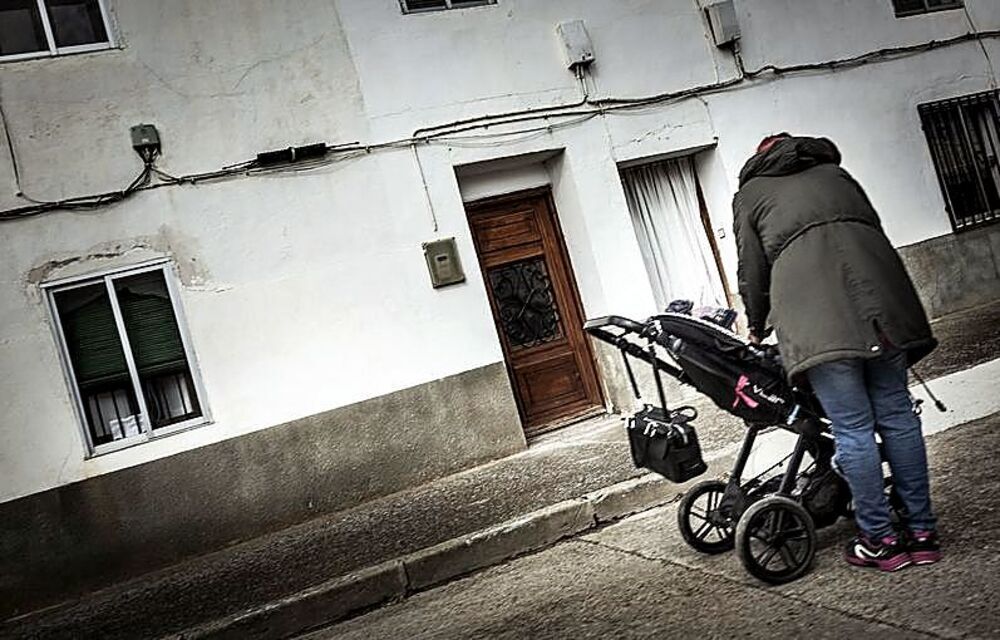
{"type": "Point", "coordinates": [925, 557]}
{"type": "Point", "coordinates": [896, 563]}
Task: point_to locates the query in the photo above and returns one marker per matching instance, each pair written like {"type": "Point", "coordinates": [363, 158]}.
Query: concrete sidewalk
{"type": "Point", "coordinates": [637, 579]}
{"type": "Point", "coordinates": [322, 570]}
{"type": "Point", "coordinates": [353, 559]}
{"type": "Point", "coordinates": [967, 338]}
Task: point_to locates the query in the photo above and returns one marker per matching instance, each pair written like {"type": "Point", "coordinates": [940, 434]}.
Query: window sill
{"type": "Point", "coordinates": [59, 53]}
{"type": "Point", "coordinates": [135, 441]}
{"type": "Point", "coordinates": [977, 224]}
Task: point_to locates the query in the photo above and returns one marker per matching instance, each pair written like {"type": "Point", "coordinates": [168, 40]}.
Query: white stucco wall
{"type": "Point", "coordinates": [221, 80]}
{"type": "Point", "coordinates": [787, 32]}
{"type": "Point", "coordinates": [301, 295]}
{"type": "Point", "coordinates": [303, 292]}
{"type": "Point", "coordinates": [436, 67]}
{"type": "Point", "coordinates": [308, 291]}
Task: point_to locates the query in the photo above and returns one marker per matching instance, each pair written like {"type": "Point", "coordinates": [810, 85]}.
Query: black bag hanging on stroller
{"type": "Point", "coordinates": [666, 442]}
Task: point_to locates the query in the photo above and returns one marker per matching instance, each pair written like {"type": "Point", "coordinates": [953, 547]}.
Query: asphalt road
{"type": "Point", "coordinates": [637, 579]}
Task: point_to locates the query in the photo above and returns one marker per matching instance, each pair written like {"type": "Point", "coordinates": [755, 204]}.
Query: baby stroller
{"type": "Point", "coordinates": [771, 518]}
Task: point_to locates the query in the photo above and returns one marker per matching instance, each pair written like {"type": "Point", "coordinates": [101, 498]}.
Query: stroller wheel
{"type": "Point", "coordinates": [700, 520]}
{"type": "Point", "coordinates": [776, 540]}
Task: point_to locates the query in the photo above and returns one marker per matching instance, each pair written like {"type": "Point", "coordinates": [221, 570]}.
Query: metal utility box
{"type": "Point", "coordinates": [576, 43]}
{"type": "Point", "coordinates": [145, 138]}
{"type": "Point", "coordinates": [443, 262]}
{"type": "Point", "coordinates": [722, 19]}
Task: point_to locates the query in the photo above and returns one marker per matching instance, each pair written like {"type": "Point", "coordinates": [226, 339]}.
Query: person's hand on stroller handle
{"type": "Point", "coordinates": [754, 338]}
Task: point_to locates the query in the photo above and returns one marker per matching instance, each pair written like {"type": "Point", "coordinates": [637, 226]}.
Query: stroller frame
{"type": "Point", "coordinates": [776, 512]}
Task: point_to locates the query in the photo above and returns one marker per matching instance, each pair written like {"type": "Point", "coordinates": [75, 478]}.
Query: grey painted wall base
{"type": "Point", "coordinates": [80, 537]}
{"type": "Point", "coordinates": [956, 271]}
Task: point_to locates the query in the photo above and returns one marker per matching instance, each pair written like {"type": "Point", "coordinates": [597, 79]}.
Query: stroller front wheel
{"type": "Point", "coordinates": [776, 540]}
{"type": "Point", "coordinates": [701, 520]}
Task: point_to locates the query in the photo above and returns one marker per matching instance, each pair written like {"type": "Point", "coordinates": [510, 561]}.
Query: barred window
{"type": "Point", "coordinates": [914, 7]}
{"type": "Point", "coordinates": [420, 6]}
{"type": "Point", "coordinates": [964, 138]}
{"type": "Point", "coordinates": [126, 356]}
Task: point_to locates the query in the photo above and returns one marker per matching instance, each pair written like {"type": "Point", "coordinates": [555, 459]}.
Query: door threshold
{"type": "Point", "coordinates": [562, 423]}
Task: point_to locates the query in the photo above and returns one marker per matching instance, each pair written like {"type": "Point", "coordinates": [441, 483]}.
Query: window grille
{"type": "Point", "coordinates": [964, 138]}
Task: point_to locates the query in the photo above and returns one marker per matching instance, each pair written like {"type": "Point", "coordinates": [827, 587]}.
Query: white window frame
{"type": "Point", "coordinates": [448, 6]}
{"type": "Point", "coordinates": [146, 433]}
{"type": "Point", "coordinates": [50, 38]}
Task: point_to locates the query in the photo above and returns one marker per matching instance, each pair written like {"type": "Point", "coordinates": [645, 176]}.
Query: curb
{"type": "Point", "coordinates": [355, 592]}
{"type": "Point", "coordinates": [331, 600]}
{"type": "Point", "coordinates": [345, 595]}
{"type": "Point", "coordinates": [485, 548]}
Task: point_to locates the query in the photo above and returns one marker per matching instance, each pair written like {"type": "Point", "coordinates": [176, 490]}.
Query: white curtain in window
{"type": "Point", "coordinates": [663, 200]}
{"type": "Point", "coordinates": [984, 119]}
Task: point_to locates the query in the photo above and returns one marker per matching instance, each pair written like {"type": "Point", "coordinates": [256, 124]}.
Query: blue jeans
{"type": "Point", "coordinates": [862, 398]}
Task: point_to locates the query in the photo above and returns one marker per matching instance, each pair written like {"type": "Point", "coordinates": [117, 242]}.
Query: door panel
{"type": "Point", "coordinates": [553, 383]}
{"type": "Point", "coordinates": [536, 309]}
{"type": "Point", "coordinates": [509, 230]}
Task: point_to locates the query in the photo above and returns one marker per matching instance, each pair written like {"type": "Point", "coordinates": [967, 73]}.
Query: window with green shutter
{"type": "Point", "coordinates": [98, 362]}
{"type": "Point", "coordinates": [126, 352]}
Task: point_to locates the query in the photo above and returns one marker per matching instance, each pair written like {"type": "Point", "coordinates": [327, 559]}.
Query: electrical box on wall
{"type": "Point", "coordinates": [145, 139]}
{"type": "Point", "coordinates": [443, 262]}
{"type": "Point", "coordinates": [576, 43]}
{"type": "Point", "coordinates": [722, 20]}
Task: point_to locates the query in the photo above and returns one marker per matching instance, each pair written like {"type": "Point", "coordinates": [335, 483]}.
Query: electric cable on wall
{"type": "Point", "coordinates": [982, 46]}
{"type": "Point", "coordinates": [10, 146]}
{"type": "Point", "coordinates": [555, 116]}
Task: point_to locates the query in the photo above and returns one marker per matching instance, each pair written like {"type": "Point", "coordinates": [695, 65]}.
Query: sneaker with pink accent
{"type": "Point", "coordinates": [888, 553]}
{"type": "Point", "coordinates": [924, 547]}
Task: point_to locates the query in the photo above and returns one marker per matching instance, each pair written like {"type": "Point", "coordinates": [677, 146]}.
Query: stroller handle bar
{"type": "Point", "coordinates": [599, 328]}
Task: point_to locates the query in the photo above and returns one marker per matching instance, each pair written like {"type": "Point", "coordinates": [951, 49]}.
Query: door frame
{"type": "Point", "coordinates": [706, 220]}
{"type": "Point", "coordinates": [591, 374]}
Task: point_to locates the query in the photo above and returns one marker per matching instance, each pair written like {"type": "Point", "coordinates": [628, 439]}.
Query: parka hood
{"type": "Point", "coordinates": [788, 156]}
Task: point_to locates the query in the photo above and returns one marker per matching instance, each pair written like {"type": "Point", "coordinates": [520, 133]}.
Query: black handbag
{"type": "Point", "coordinates": [666, 442]}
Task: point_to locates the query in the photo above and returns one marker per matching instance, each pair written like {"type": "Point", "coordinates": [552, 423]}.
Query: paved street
{"type": "Point", "coordinates": [637, 579]}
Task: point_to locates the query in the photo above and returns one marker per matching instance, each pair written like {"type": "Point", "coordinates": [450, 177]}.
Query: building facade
{"type": "Point", "coordinates": [207, 341]}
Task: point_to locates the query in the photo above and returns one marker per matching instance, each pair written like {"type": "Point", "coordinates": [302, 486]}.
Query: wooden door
{"type": "Point", "coordinates": [536, 308]}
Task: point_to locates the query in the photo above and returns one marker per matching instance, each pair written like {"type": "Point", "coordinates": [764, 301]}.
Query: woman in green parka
{"type": "Point", "coordinates": [816, 266]}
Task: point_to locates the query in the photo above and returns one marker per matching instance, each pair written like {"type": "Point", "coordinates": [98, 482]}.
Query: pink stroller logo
{"type": "Point", "coordinates": [742, 384]}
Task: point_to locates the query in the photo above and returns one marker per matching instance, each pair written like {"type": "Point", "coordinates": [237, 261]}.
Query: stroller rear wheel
{"type": "Point", "coordinates": [702, 522]}
{"type": "Point", "coordinates": [776, 540]}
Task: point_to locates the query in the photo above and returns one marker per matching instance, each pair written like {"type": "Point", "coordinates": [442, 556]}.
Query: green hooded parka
{"type": "Point", "coordinates": [814, 261]}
